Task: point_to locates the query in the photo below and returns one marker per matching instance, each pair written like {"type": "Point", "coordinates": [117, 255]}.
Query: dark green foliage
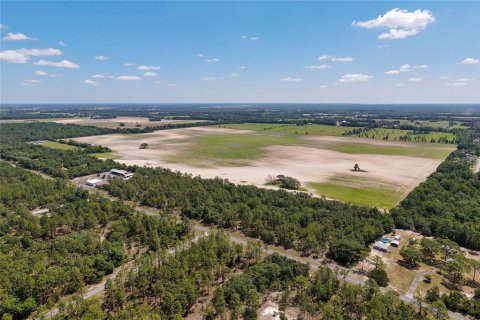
{"type": "Point", "coordinates": [44, 258]}
{"type": "Point", "coordinates": [380, 276]}
{"type": "Point", "coordinates": [447, 204]}
{"type": "Point", "coordinates": [276, 217]}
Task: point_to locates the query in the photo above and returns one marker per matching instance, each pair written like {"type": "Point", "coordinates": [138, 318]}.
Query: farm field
{"type": "Point", "coordinates": [324, 130]}
{"type": "Point", "coordinates": [128, 122]}
{"type": "Point", "coordinates": [323, 164]}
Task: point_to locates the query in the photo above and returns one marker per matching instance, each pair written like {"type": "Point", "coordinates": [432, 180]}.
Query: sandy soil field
{"type": "Point", "coordinates": [305, 162]}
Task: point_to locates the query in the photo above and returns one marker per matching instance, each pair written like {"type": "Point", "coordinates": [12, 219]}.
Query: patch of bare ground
{"type": "Point", "coordinates": [307, 162]}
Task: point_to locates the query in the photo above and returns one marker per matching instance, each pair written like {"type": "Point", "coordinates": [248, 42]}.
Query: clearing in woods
{"type": "Point", "coordinates": [323, 164]}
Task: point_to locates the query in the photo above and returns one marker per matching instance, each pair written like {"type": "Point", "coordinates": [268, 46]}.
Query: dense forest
{"type": "Point", "coordinates": [235, 281]}
{"type": "Point", "coordinates": [447, 204]}
{"type": "Point", "coordinates": [310, 225]}
{"type": "Point", "coordinates": [80, 239]}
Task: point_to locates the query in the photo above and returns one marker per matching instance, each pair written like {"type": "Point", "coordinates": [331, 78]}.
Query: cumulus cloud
{"type": "Point", "coordinates": [149, 74]}
{"type": "Point", "coordinates": [335, 59]}
{"type": "Point", "coordinates": [321, 66]}
{"type": "Point", "coordinates": [101, 58]}
{"type": "Point", "coordinates": [61, 43]}
{"type": "Point", "coordinates": [400, 22]}
{"type": "Point", "coordinates": [421, 66]}
{"type": "Point", "coordinates": [90, 82]}
{"type": "Point", "coordinates": [148, 68]}
{"type": "Point", "coordinates": [17, 37]}
{"type": "Point", "coordinates": [252, 38]}
{"type": "Point", "coordinates": [199, 55]}
{"type": "Point", "coordinates": [415, 79]}
{"type": "Point", "coordinates": [127, 64]}
{"type": "Point", "coordinates": [40, 73]}
{"type": "Point", "coordinates": [355, 77]}
{"type": "Point", "coordinates": [403, 68]}
{"type": "Point", "coordinates": [23, 55]}
{"type": "Point", "coordinates": [128, 78]}
{"type": "Point", "coordinates": [213, 60]}
{"type": "Point", "coordinates": [291, 79]}
{"type": "Point", "coordinates": [59, 64]}
{"type": "Point", "coordinates": [465, 79]}
{"type": "Point", "coordinates": [470, 61]}
{"type": "Point", "coordinates": [242, 67]}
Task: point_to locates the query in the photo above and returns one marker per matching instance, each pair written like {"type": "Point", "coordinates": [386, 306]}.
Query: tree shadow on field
{"type": "Point", "coordinates": [353, 170]}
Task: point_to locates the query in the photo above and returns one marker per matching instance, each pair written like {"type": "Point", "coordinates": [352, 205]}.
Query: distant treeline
{"type": "Point", "coordinates": [86, 147]}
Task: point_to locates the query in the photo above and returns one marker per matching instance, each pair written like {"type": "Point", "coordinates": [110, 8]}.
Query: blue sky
{"type": "Point", "coordinates": [359, 52]}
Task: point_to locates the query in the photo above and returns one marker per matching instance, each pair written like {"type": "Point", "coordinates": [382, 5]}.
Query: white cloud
{"type": "Point", "coordinates": [345, 59]}
{"type": "Point", "coordinates": [40, 73]}
{"type": "Point", "coordinates": [415, 79]}
{"type": "Point", "coordinates": [382, 46]}
{"type": "Point", "coordinates": [354, 77]}
{"type": "Point", "coordinates": [61, 43]}
{"type": "Point", "coordinates": [23, 55]}
{"type": "Point", "coordinates": [2, 26]}
{"type": "Point", "coordinates": [101, 58]}
{"type": "Point", "coordinates": [213, 60]}
{"type": "Point", "coordinates": [456, 84]}
{"type": "Point", "coordinates": [403, 68]}
{"type": "Point", "coordinates": [149, 74]}
{"type": "Point", "coordinates": [56, 75]}
{"type": "Point", "coordinates": [13, 56]}
{"type": "Point", "coordinates": [171, 84]}
{"type": "Point", "coordinates": [60, 64]}
{"type": "Point", "coordinates": [465, 79]}
{"type": "Point", "coordinates": [100, 76]}
{"type": "Point", "coordinates": [335, 59]}
{"type": "Point", "coordinates": [199, 55]}
{"type": "Point", "coordinates": [444, 77]}
{"type": "Point", "coordinates": [90, 82]}
{"type": "Point", "coordinates": [40, 52]}
{"type": "Point", "coordinates": [254, 38]}
{"type": "Point", "coordinates": [208, 78]}
{"type": "Point", "coordinates": [128, 78]}
{"type": "Point", "coordinates": [242, 67]}
{"type": "Point", "coordinates": [321, 66]}
{"type": "Point", "coordinates": [291, 79]}
{"type": "Point", "coordinates": [17, 37]}
{"type": "Point", "coordinates": [400, 22]}
{"type": "Point", "coordinates": [400, 85]}
{"type": "Point", "coordinates": [127, 64]}
{"type": "Point", "coordinates": [323, 87]}
{"type": "Point", "coordinates": [29, 82]}
{"type": "Point", "coordinates": [421, 66]}
{"type": "Point", "coordinates": [148, 68]}
{"type": "Point", "coordinates": [470, 61]}
{"type": "Point", "coordinates": [234, 74]}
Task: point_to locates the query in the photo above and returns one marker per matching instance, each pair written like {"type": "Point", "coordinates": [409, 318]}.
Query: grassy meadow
{"type": "Point", "coordinates": [363, 196]}
{"type": "Point", "coordinates": [230, 149]}
{"type": "Point", "coordinates": [58, 146]}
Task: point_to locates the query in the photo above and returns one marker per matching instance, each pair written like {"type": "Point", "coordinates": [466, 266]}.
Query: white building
{"type": "Point", "coordinates": [122, 173]}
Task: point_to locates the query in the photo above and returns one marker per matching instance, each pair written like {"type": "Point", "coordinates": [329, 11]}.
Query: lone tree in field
{"type": "Point", "coordinates": [144, 146]}
{"type": "Point", "coordinates": [356, 167]}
